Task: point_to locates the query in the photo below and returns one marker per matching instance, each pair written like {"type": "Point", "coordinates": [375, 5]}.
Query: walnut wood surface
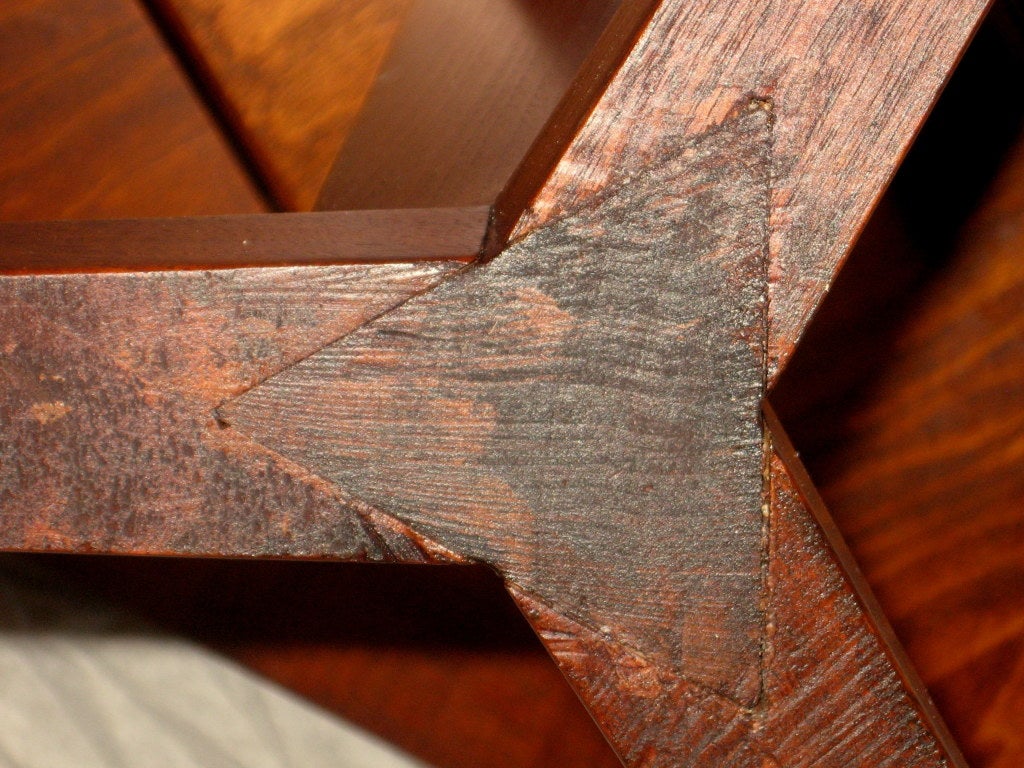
{"type": "Point", "coordinates": [921, 461]}
{"type": "Point", "coordinates": [109, 382]}
{"type": "Point", "coordinates": [96, 121]}
{"type": "Point", "coordinates": [464, 92]}
{"type": "Point", "coordinates": [289, 77]}
{"type": "Point", "coordinates": [848, 83]}
{"type": "Point", "coordinates": [566, 410]}
{"type": "Point", "coordinates": [243, 241]}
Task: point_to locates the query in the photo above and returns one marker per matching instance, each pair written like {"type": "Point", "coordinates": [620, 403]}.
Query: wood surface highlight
{"type": "Point", "coordinates": [276, 239]}
{"type": "Point", "coordinates": [96, 120]}
{"type": "Point", "coordinates": [581, 412]}
{"type": "Point", "coordinates": [288, 78]}
{"type": "Point", "coordinates": [462, 95]}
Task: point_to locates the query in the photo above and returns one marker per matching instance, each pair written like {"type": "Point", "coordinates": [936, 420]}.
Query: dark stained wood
{"type": "Point", "coordinates": [611, 49]}
{"type": "Point", "coordinates": [801, 482]}
{"type": "Point", "coordinates": [831, 695]}
{"type": "Point", "coordinates": [107, 388]}
{"type": "Point", "coordinates": [848, 83]}
{"type": "Point", "coordinates": [240, 241]}
{"type": "Point", "coordinates": [920, 456]}
{"type": "Point", "coordinates": [289, 78]}
{"type": "Point", "coordinates": [580, 412]}
{"type": "Point", "coordinates": [96, 121]}
{"type": "Point", "coordinates": [567, 409]}
{"type": "Point", "coordinates": [464, 92]}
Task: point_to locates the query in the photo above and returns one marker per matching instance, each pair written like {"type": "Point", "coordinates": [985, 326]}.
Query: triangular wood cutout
{"type": "Point", "coordinates": [580, 412]}
{"type": "Point", "coordinates": [833, 693]}
{"type": "Point", "coordinates": [109, 440]}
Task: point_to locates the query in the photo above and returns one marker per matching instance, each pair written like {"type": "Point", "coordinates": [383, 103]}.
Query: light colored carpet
{"type": "Point", "coordinates": [84, 685]}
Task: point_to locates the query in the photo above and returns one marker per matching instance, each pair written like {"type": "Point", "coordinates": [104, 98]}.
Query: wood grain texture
{"type": "Point", "coordinates": [278, 239]}
{"type": "Point", "coordinates": [463, 94]}
{"type": "Point", "coordinates": [831, 694]}
{"type": "Point", "coordinates": [289, 78]}
{"type": "Point", "coordinates": [571, 407]}
{"type": "Point", "coordinates": [922, 464]}
{"type": "Point", "coordinates": [109, 442]}
{"type": "Point", "coordinates": [849, 84]}
{"type": "Point", "coordinates": [801, 675]}
{"type": "Point", "coordinates": [95, 120]}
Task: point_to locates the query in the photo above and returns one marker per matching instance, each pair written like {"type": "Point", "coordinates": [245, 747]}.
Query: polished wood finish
{"type": "Point", "coordinates": [463, 94]}
{"type": "Point", "coordinates": [96, 121]}
{"type": "Point", "coordinates": [281, 239]}
{"type": "Point", "coordinates": [783, 660]}
{"type": "Point", "coordinates": [288, 78]}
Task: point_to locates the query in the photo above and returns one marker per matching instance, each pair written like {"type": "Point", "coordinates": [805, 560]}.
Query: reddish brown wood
{"type": "Point", "coordinates": [243, 241]}
{"type": "Point", "coordinates": [726, 635]}
{"type": "Point", "coordinates": [289, 78]}
{"type": "Point", "coordinates": [109, 382]}
{"type": "Point", "coordinates": [830, 693]}
{"type": "Point", "coordinates": [583, 403]}
{"type": "Point", "coordinates": [464, 92]}
{"type": "Point", "coordinates": [96, 121]}
{"type": "Point", "coordinates": [849, 85]}
{"type": "Point", "coordinates": [916, 442]}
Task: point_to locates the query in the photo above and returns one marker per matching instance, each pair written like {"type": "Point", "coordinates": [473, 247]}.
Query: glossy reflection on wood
{"type": "Point", "coordinates": [581, 412]}
{"type": "Point", "coordinates": [96, 121]}
{"type": "Point", "coordinates": [289, 78]}
{"type": "Point", "coordinates": [460, 99]}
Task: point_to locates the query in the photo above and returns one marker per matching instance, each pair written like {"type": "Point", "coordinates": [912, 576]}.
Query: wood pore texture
{"type": "Point", "coordinates": [468, 686]}
{"type": "Point", "coordinates": [905, 400]}
{"type": "Point", "coordinates": [849, 84]}
{"type": "Point", "coordinates": [580, 413]}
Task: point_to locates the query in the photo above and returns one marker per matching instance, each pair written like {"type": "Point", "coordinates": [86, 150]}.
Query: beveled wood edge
{"type": "Point", "coordinates": [253, 240]}
{"type": "Point", "coordinates": [598, 68]}
{"type": "Point", "coordinates": [901, 662]}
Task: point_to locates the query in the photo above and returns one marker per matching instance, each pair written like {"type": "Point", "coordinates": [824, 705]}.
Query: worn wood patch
{"type": "Point", "coordinates": [107, 388]}
{"type": "Point", "coordinates": [832, 694]}
{"type": "Point", "coordinates": [581, 412]}
{"type": "Point", "coordinates": [850, 83]}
